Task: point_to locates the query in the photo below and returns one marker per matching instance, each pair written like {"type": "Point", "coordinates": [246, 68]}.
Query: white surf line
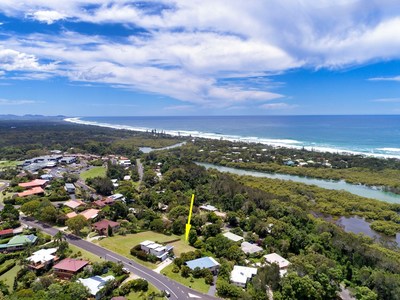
{"type": "Point", "coordinates": [285, 143]}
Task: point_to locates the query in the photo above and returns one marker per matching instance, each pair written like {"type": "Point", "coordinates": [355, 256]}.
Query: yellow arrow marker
{"type": "Point", "coordinates": [188, 226]}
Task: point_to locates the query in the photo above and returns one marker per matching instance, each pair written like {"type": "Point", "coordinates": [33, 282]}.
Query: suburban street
{"type": "Point", "coordinates": [177, 290]}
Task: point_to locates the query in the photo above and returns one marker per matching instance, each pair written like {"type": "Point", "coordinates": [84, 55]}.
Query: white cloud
{"type": "Point", "coordinates": [189, 49]}
{"type": "Point", "coordinates": [276, 106]}
{"type": "Point", "coordinates": [46, 16]}
{"type": "Point", "coordinates": [16, 102]}
{"type": "Point", "coordinates": [394, 78]}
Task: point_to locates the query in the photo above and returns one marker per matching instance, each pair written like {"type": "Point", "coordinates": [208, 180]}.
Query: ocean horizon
{"type": "Point", "coordinates": [371, 135]}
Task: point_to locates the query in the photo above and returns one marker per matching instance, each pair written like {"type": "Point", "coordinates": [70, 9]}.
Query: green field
{"type": "Point", "coordinates": [8, 163]}
{"type": "Point", "coordinates": [9, 276]}
{"type": "Point", "coordinates": [145, 295]}
{"type": "Point", "coordinates": [123, 244]}
{"type": "Point", "coordinates": [198, 284]}
{"type": "Point", "coordinates": [85, 254]}
{"type": "Point", "coordinates": [94, 172]}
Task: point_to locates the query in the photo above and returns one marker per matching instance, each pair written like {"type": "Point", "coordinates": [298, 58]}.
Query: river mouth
{"type": "Point", "coordinates": [356, 189]}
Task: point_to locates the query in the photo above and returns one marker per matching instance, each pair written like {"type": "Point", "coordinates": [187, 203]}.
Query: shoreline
{"type": "Point", "coordinates": [283, 143]}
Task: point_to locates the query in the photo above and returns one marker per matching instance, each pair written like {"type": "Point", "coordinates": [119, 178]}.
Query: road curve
{"type": "Point", "coordinates": [177, 290]}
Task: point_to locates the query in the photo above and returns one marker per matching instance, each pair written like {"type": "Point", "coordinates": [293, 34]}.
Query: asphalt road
{"type": "Point", "coordinates": [177, 290]}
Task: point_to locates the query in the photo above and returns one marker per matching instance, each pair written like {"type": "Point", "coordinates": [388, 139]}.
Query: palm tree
{"type": "Point", "coordinates": [59, 237]}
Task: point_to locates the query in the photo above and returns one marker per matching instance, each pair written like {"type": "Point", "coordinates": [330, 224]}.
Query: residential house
{"type": "Point", "coordinates": [102, 226]}
{"type": "Point", "coordinates": [18, 242]}
{"type": "Point", "coordinates": [160, 251]}
{"type": "Point", "coordinates": [204, 263]}
{"type": "Point", "coordinates": [241, 275]}
{"type": "Point", "coordinates": [71, 215]}
{"type": "Point", "coordinates": [34, 183]}
{"type": "Point", "coordinates": [95, 284]}
{"type": "Point", "coordinates": [70, 188]}
{"type": "Point", "coordinates": [34, 191]}
{"type": "Point", "coordinates": [74, 204]}
{"type": "Point", "coordinates": [251, 249]}
{"type": "Point", "coordinates": [5, 233]}
{"type": "Point", "coordinates": [68, 267]}
{"type": "Point", "coordinates": [208, 207]}
{"type": "Point", "coordinates": [233, 237]}
{"type": "Point", "coordinates": [90, 214]}
{"type": "Point", "coordinates": [42, 258]}
{"type": "Point", "coordinates": [279, 260]}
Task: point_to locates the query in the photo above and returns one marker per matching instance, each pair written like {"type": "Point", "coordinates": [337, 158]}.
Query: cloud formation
{"type": "Point", "coordinates": [189, 50]}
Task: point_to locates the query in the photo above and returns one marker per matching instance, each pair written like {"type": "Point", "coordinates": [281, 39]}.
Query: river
{"type": "Point", "coordinates": [360, 190]}
{"type": "Point", "coordinates": [149, 149]}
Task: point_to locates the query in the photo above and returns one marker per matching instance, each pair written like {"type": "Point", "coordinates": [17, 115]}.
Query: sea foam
{"type": "Point", "coordinates": [287, 143]}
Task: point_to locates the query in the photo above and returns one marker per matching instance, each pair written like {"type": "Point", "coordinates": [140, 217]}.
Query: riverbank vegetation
{"type": "Point", "coordinates": [356, 169]}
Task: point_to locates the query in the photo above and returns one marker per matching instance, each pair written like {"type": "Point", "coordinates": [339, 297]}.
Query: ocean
{"type": "Point", "coordinates": [369, 135]}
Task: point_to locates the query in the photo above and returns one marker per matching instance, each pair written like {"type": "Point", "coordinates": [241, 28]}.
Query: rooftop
{"type": "Point", "coordinates": [70, 264]}
{"type": "Point", "coordinates": [208, 207]}
{"type": "Point", "coordinates": [74, 203]}
{"type": "Point", "coordinates": [202, 263]}
{"type": "Point", "coordinates": [95, 283]}
{"type": "Point", "coordinates": [241, 274]}
{"type": "Point", "coordinates": [71, 215]}
{"type": "Point", "coordinates": [33, 183]}
{"type": "Point", "coordinates": [232, 236]}
{"type": "Point", "coordinates": [250, 248]}
{"type": "Point", "coordinates": [33, 191]}
{"type": "Point", "coordinates": [69, 186]}
{"type": "Point", "coordinates": [103, 224]}
{"type": "Point", "coordinates": [20, 240]}
{"type": "Point", "coordinates": [277, 259]}
{"type": "Point", "coordinates": [6, 231]}
{"type": "Point", "coordinates": [43, 255]}
{"type": "Point", "coordinates": [90, 213]}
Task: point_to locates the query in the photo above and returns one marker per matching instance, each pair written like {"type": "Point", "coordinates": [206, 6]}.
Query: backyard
{"type": "Point", "coordinates": [123, 244]}
{"type": "Point", "coordinates": [94, 172]}
{"type": "Point", "coordinates": [197, 284]}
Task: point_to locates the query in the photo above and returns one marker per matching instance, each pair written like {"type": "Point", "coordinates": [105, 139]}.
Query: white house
{"type": "Point", "coordinates": [160, 251]}
{"type": "Point", "coordinates": [232, 236]}
{"type": "Point", "coordinates": [125, 162]}
{"type": "Point", "coordinates": [241, 275]}
{"type": "Point", "coordinates": [95, 284]}
{"type": "Point", "coordinates": [208, 207]}
{"type": "Point", "coordinates": [249, 248]}
{"type": "Point", "coordinates": [70, 188]}
{"type": "Point", "coordinates": [42, 258]}
{"type": "Point", "coordinates": [279, 260]}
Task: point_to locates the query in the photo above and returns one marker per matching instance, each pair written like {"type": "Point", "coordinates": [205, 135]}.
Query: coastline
{"type": "Point", "coordinates": [284, 143]}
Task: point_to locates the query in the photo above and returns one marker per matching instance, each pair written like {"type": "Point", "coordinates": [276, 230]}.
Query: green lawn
{"type": "Point", "coordinates": [198, 284]}
{"type": "Point", "coordinates": [123, 244]}
{"type": "Point", "coordinates": [94, 172]}
{"type": "Point", "coordinates": [9, 276]}
{"type": "Point", "coordinates": [145, 296]}
{"type": "Point", "coordinates": [85, 254]}
{"type": "Point", "coordinates": [5, 196]}
{"type": "Point", "coordinates": [8, 163]}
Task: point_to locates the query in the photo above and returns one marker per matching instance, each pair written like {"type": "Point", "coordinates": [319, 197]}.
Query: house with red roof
{"type": "Point", "coordinates": [34, 191]}
{"type": "Point", "coordinates": [102, 226]}
{"type": "Point", "coordinates": [35, 183]}
{"type": "Point", "coordinates": [68, 267]}
{"type": "Point", "coordinates": [73, 204]}
{"type": "Point", "coordinates": [6, 233]}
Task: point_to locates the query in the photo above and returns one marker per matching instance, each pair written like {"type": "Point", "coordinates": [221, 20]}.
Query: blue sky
{"type": "Point", "coordinates": [208, 57]}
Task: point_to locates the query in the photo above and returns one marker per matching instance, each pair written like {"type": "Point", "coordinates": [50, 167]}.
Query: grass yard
{"type": "Point", "coordinates": [9, 276]}
{"type": "Point", "coordinates": [85, 254]}
{"type": "Point", "coordinates": [145, 295]}
{"type": "Point", "coordinates": [5, 196]}
{"type": "Point", "coordinates": [198, 284]}
{"type": "Point", "coordinates": [8, 163]}
{"type": "Point", "coordinates": [123, 244]}
{"type": "Point", "coordinates": [94, 172]}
